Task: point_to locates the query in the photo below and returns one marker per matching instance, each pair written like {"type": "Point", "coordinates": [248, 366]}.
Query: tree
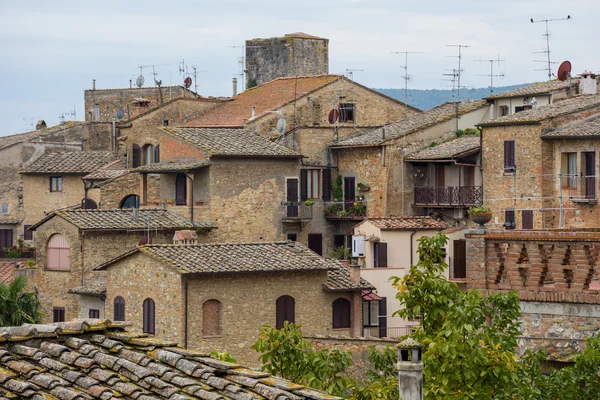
{"type": "Point", "coordinates": [18, 306]}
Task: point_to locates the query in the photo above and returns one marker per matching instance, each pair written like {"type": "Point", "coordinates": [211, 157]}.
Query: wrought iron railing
{"type": "Point", "coordinates": [296, 211]}
{"type": "Point", "coordinates": [15, 252]}
{"type": "Point", "coordinates": [350, 209]}
{"type": "Point", "coordinates": [390, 332]}
{"type": "Point", "coordinates": [448, 195]}
{"type": "Point", "coordinates": [579, 188]}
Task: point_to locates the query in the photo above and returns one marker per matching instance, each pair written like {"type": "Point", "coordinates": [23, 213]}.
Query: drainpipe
{"type": "Point", "coordinates": [191, 199]}
{"type": "Point", "coordinates": [185, 316]}
{"type": "Point", "coordinates": [82, 257]}
{"type": "Point", "coordinates": [411, 247]}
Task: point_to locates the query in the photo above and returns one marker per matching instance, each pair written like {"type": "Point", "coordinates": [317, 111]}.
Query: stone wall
{"type": "Point", "coordinates": [113, 191]}
{"type": "Point", "coordinates": [99, 136]}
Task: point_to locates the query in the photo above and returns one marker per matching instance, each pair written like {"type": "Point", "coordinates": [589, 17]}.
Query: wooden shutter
{"type": "Point", "coordinates": [148, 317]}
{"type": "Point", "coordinates": [527, 219]}
{"type": "Point", "coordinates": [94, 313]}
{"type": "Point", "coordinates": [136, 155]}
{"type": "Point", "coordinates": [460, 259]}
{"type": "Point", "coordinates": [341, 313]}
{"type": "Point", "coordinates": [381, 255]}
{"type": "Point", "coordinates": [27, 234]}
{"type": "Point", "coordinates": [383, 317]}
{"type": "Point", "coordinates": [279, 313]}
{"type": "Point", "coordinates": [58, 314]}
{"type": "Point", "coordinates": [157, 154]}
{"type": "Point", "coordinates": [326, 185]}
{"type": "Point", "coordinates": [509, 155]}
{"type": "Point", "coordinates": [119, 309]}
{"type": "Point", "coordinates": [285, 311]}
{"type": "Point", "coordinates": [181, 189]}
{"type": "Point", "coordinates": [509, 218]}
{"type": "Point", "coordinates": [303, 184]}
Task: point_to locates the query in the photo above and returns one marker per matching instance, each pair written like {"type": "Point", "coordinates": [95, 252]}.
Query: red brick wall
{"type": "Point", "coordinates": [171, 148]}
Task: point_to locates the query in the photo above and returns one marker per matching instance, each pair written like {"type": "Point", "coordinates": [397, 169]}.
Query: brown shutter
{"type": "Point", "coordinates": [326, 185]}
{"type": "Point", "coordinates": [527, 219]}
{"type": "Point", "coordinates": [509, 219]}
{"type": "Point", "coordinates": [119, 309]}
{"type": "Point", "coordinates": [280, 313]}
{"type": "Point", "coordinates": [136, 156]}
{"type": "Point", "coordinates": [157, 154]}
{"type": "Point", "coordinates": [27, 234]}
{"type": "Point", "coordinates": [383, 317]}
{"type": "Point", "coordinates": [509, 154]}
{"type": "Point", "coordinates": [303, 184]}
{"type": "Point", "coordinates": [382, 255]}
{"type": "Point", "coordinates": [290, 310]}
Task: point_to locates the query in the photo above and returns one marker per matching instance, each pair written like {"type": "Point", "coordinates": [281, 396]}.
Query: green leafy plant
{"type": "Point", "coordinates": [478, 210]}
{"type": "Point", "coordinates": [472, 131]}
{"type": "Point", "coordinates": [309, 202]}
{"type": "Point", "coordinates": [332, 210]}
{"type": "Point", "coordinates": [460, 133]}
{"type": "Point", "coordinates": [30, 263]}
{"type": "Point", "coordinates": [223, 356]}
{"type": "Point", "coordinates": [358, 209]}
{"type": "Point", "coordinates": [337, 188]}
{"type": "Point", "coordinates": [18, 306]}
{"type": "Point", "coordinates": [433, 144]}
{"type": "Point", "coordinates": [341, 253]}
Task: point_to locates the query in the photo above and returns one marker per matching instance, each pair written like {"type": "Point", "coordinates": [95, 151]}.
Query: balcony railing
{"type": "Point", "coordinates": [351, 209]}
{"type": "Point", "coordinates": [455, 196]}
{"type": "Point", "coordinates": [15, 252]}
{"type": "Point", "coordinates": [296, 211]}
{"type": "Point", "coordinates": [390, 332]}
{"type": "Point", "coordinates": [579, 189]}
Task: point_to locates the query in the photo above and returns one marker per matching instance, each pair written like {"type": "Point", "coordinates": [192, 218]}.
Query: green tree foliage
{"type": "Point", "coordinates": [18, 306]}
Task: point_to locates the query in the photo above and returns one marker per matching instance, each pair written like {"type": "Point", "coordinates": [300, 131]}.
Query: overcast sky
{"type": "Point", "coordinates": [51, 50]}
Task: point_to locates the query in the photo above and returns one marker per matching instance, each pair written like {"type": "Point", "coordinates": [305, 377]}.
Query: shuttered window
{"type": "Point", "coordinates": [211, 318]}
{"type": "Point", "coordinates": [326, 185]}
{"type": "Point", "coordinates": [309, 184]}
{"type": "Point", "coordinates": [119, 309]}
{"type": "Point", "coordinates": [157, 154]}
{"type": "Point", "coordinates": [509, 219]}
{"type": "Point", "coordinates": [58, 253]}
{"type": "Point", "coordinates": [341, 313]}
{"type": "Point", "coordinates": [380, 255]}
{"type": "Point", "coordinates": [509, 155]}
{"type": "Point", "coordinates": [148, 316]}
{"type": "Point", "coordinates": [58, 314]}
{"type": "Point", "coordinates": [285, 311]}
{"type": "Point", "coordinates": [94, 313]}
{"type": "Point", "coordinates": [136, 156]}
{"type": "Point", "coordinates": [527, 218]}
{"type": "Point", "coordinates": [27, 234]}
{"type": "Point", "coordinates": [303, 184]}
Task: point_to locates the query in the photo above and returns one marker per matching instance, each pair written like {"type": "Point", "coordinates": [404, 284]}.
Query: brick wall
{"type": "Point", "coordinates": [173, 148]}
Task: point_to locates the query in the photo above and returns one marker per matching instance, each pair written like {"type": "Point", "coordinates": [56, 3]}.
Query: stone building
{"type": "Point", "coordinates": [103, 105]}
{"type": "Point", "coordinates": [70, 243]}
{"type": "Point", "coordinates": [523, 156]}
{"type": "Point", "coordinates": [208, 296]}
{"type": "Point", "coordinates": [96, 358]}
{"type": "Point", "coordinates": [295, 54]}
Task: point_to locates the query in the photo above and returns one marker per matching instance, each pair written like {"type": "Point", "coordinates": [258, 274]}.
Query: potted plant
{"type": "Point", "coordinates": [337, 188]}
{"type": "Point", "coordinates": [170, 202]}
{"type": "Point", "coordinates": [362, 187]}
{"type": "Point", "coordinates": [481, 215]}
{"type": "Point", "coordinates": [332, 210]}
{"type": "Point", "coordinates": [309, 202]}
{"type": "Point", "coordinates": [341, 253]}
{"type": "Point", "coordinates": [199, 203]}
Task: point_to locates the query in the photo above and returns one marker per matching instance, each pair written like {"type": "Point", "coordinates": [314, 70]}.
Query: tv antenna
{"type": "Point", "coordinates": [350, 72]}
{"type": "Point", "coordinates": [140, 80]}
{"type": "Point", "coordinates": [458, 72]}
{"type": "Point", "coordinates": [549, 63]}
{"type": "Point", "coordinates": [195, 75]}
{"type": "Point", "coordinates": [491, 75]}
{"type": "Point", "coordinates": [241, 62]}
{"type": "Point", "coordinates": [406, 77]}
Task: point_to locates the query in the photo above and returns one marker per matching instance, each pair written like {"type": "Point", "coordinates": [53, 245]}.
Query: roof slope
{"type": "Point", "coordinates": [7, 271]}
{"type": "Point", "coordinates": [235, 257]}
{"type": "Point", "coordinates": [585, 128]}
{"type": "Point", "coordinates": [461, 146]}
{"type": "Point", "coordinates": [88, 359]}
{"type": "Point", "coordinates": [6, 141]}
{"type": "Point", "coordinates": [70, 162]}
{"type": "Point", "coordinates": [121, 219]}
{"type": "Point", "coordinates": [535, 115]}
{"type": "Point", "coordinates": [179, 165]}
{"type": "Point", "coordinates": [406, 223]}
{"type": "Point", "coordinates": [533, 89]}
{"type": "Point", "coordinates": [338, 280]}
{"type": "Point", "coordinates": [413, 123]}
{"type": "Point", "coordinates": [266, 97]}
{"type": "Point", "coordinates": [231, 142]}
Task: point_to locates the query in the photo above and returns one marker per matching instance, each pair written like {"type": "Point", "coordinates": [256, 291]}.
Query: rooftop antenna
{"type": "Point", "coordinates": [241, 62]}
{"type": "Point", "coordinates": [458, 71]}
{"type": "Point", "coordinates": [491, 75]}
{"type": "Point", "coordinates": [406, 77]}
{"type": "Point", "coordinates": [350, 72]}
{"type": "Point", "coordinates": [548, 69]}
{"type": "Point", "coordinates": [140, 80]}
{"type": "Point", "coordinates": [195, 75]}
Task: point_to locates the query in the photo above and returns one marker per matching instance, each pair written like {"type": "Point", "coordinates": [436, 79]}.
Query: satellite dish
{"type": "Point", "coordinates": [333, 116]}
{"type": "Point", "coordinates": [120, 113]}
{"type": "Point", "coordinates": [281, 125]}
{"type": "Point", "coordinates": [187, 82]}
{"type": "Point", "coordinates": [564, 71]}
{"type": "Point", "coordinates": [139, 82]}
{"type": "Point", "coordinates": [145, 240]}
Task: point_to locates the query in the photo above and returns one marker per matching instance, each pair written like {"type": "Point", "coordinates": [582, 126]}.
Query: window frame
{"type": "Point", "coordinates": [58, 187]}
{"type": "Point", "coordinates": [282, 315]}
{"type": "Point", "coordinates": [149, 316]}
{"type": "Point", "coordinates": [510, 159]}
{"type": "Point", "coordinates": [27, 234]}
{"type": "Point", "coordinates": [94, 313]}
{"type": "Point", "coordinates": [341, 309]}
{"type": "Point", "coordinates": [4, 206]}
{"type": "Point", "coordinates": [121, 302]}
{"type": "Point", "coordinates": [60, 255]}
{"type": "Point", "coordinates": [60, 313]}
{"type": "Point", "coordinates": [367, 313]}
{"type": "Point", "coordinates": [510, 224]}
{"type": "Point", "coordinates": [313, 184]}
{"type": "Point", "coordinates": [343, 108]}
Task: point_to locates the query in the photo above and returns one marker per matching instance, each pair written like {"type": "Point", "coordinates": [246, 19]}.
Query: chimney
{"type": "Point", "coordinates": [253, 112]}
{"type": "Point", "coordinates": [587, 83]}
{"type": "Point", "coordinates": [234, 87]}
{"type": "Point", "coordinates": [354, 272]}
{"type": "Point", "coordinates": [93, 84]}
{"type": "Point", "coordinates": [130, 84]}
{"type": "Point", "coordinates": [410, 369]}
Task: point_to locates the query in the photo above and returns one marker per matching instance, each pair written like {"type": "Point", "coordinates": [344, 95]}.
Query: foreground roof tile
{"type": "Point", "coordinates": [70, 162]}
{"type": "Point", "coordinates": [588, 128]}
{"type": "Point", "coordinates": [461, 146]}
{"type": "Point", "coordinates": [404, 223]}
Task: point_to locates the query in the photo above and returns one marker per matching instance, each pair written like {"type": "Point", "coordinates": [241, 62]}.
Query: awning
{"type": "Point", "coordinates": [368, 295]}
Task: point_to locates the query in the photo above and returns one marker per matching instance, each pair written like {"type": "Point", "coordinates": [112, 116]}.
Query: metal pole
{"type": "Point", "coordinates": [561, 222]}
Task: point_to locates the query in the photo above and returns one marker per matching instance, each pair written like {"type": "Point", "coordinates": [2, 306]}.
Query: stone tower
{"type": "Point", "coordinates": [295, 54]}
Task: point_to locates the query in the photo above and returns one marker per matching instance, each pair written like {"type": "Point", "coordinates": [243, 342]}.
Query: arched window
{"type": "Point", "coordinates": [157, 154]}
{"type": "Point", "coordinates": [181, 189]}
{"type": "Point", "coordinates": [89, 204]}
{"type": "Point", "coordinates": [148, 316]}
{"type": "Point", "coordinates": [119, 306]}
{"type": "Point", "coordinates": [131, 201]}
{"type": "Point", "coordinates": [285, 310]}
{"type": "Point", "coordinates": [211, 318]}
{"type": "Point", "coordinates": [136, 156]}
{"type": "Point", "coordinates": [59, 253]}
{"type": "Point", "coordinates": [147, 154]}
{"type": "Point", "coordinates": [341, 313]}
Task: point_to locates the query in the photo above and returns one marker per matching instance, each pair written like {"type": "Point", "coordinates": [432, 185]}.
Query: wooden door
{"type": "Point", "coordinates": [460, 259]}
{"type": "Point", "coordinates": [292, 197]}
{"type": "Point", "coordinates": [349, 192]}
{"type": "Point", "coordinates": [180, 189]}
{"type": "Point", "coordinates": [315, 243]}
{"type": "Point", "coordinates": [6, 240]}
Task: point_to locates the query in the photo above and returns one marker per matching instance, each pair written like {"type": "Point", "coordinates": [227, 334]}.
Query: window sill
{"type": "Point", "coordinates": [585, 201]}
{"type": "Point", "coordinates": [56, 270]}
{"type": "Point", "coordinates": [340, 329]}
{"type": "Point", "coordinates": [212, 337]}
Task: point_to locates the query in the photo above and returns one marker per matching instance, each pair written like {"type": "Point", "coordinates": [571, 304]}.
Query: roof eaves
{"type": "Point", "coordinates": [108, 263]}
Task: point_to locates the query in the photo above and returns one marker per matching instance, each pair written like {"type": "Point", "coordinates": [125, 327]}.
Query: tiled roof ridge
{"type": "Point", "coordinates": [592, 119]}
{"type": "Point", "coordinates": [277, 242]}
{"type": "Point", "coordinates": [542, 87]}
{"type": "Point", "coordinates": [160, 106]}
{"type": "Point", "coordinates": [142, 88]}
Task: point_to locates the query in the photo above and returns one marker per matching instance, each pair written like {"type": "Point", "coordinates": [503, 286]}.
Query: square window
{"type": "Point", "coordinates": [94, 313]}
{"type": "Point", "coordinates": [5, 208]}
{"type": "Point", "coordinates": [58, 314]}
{"type": "Point", "coordinates": [56, 184]}
{"type": "Point", "coordinates": [166, 122]}
{"type": "Point", "coordinates": [347, 111]}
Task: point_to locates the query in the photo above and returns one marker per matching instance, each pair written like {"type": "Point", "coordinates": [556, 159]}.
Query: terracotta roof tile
{"type": "Point", "coordinates": [90, 289]}
{"type": "Point", "coordinates": [235, 257]}
{"type": "Point", "coordinates": [122, 219]}
{"type": "Point", "coordinates": [339, 280]}
{"type": "Point", "coordinates": [436, 115]}
{"type": "Point", "coordinates": [173, 166]}
{"type": "Point", "coordinates": [463, 145]}
{"type": "Point", "coordinates": [231, 142]}
{"type": "Point", "coordinates": [70, 162]}
{"type": "Point", "coordinates": [585, 128]}
{"type": "Point", "coordinates": [266, 97]}
{"type": "Point", "coordinates": [535, 115]}
{"type": "Point", "coordinates": [98, 359]}
{"type": "Point", "coordinates": [533, 89]}
{"type": "Point", "coordinates": [406, 223]}
{"type": "Point", "coordinates": [6, 141]}
{"type": "Point", "coordinates": [105, 174]}
{"type": "Point", "coordinates": [7, 272]}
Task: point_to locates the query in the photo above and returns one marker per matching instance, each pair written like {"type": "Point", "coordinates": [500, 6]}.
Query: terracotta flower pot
{"type": "Point", "coordinates": [481, 218]}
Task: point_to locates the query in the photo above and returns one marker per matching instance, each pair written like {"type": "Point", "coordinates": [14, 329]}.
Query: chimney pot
{"type": "Point", "coordinates": [234, 87]}
{"type": "Point", "coordinates": [253, 111]}
{"type": "Point", "coordinates": [354, 272]}
{"type": "Point", "coordinates": [93, 84]}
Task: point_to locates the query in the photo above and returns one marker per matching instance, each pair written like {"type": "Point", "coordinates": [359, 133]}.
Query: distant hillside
{"type": "Point", "coordinates": [429, 98]}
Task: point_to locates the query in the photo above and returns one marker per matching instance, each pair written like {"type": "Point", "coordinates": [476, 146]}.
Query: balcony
{"type": "Point", "coordinates": [345, 210]}
{"type": "Point", "coordinates": [17, 252]}
{"type": "Point", "coordinates": [448, 196]}
{"type": "Point", "coordinates": [390, 332]}
{"type": "Point", "coordinates": [296, 211]}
